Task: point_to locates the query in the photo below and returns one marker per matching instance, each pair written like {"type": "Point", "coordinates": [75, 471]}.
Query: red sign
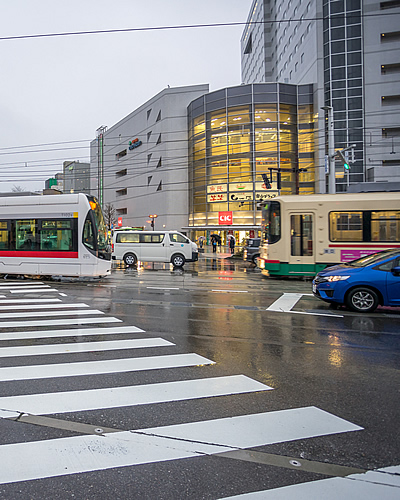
{"type": "Point", "coordinates": [119, 221]}
{"type": "Point", "coordinates": [225, 218]}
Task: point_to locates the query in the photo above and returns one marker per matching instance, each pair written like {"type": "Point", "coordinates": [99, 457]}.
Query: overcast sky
{"type": "Point", "coordinates": [61, 89]}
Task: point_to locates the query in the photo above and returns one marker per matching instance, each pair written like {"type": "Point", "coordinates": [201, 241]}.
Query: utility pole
{"type": "Point", "coordinates": [100, 164]}
{"type": "Point", "coordinates": [331, 150]}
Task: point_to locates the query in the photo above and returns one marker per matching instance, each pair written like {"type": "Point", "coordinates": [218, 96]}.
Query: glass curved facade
{"type": "Point", "coordinates": [237, 134]}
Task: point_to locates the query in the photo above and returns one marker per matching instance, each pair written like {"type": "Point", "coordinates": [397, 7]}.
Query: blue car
{"type": "Point", "coordinates": [362, 284]}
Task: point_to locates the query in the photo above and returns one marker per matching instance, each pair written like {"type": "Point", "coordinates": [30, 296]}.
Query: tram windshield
{"type": "Point", "coordinates": [272, 222]}
{"type": "Point", "coordinates": [96, 238]}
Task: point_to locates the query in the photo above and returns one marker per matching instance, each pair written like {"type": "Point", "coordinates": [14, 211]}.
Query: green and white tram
{"type": "Point", "coordinates": [304, 234]}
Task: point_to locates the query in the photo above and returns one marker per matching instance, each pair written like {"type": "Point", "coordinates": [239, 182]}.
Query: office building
{"type": "Point", "coordinates": [350, 51]}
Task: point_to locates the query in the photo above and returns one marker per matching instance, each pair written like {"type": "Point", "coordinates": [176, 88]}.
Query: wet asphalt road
{"type": "Point", "coordinates": [311, 357]}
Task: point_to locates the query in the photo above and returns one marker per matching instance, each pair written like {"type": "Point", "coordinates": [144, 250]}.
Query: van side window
{"type": "Point", "coordinates": [177, 238]}
{"type": "Point", "coordinates": [127, 238]}
{"type": "Point", "coordinates": [151, 238]}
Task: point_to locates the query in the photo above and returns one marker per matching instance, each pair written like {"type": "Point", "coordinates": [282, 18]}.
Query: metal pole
{"type": "Point", "coordinates": [331, 150]}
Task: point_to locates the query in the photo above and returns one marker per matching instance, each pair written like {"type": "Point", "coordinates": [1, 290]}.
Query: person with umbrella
{"type": "Point", "coordinates": [231, 243]}
{"type": "Point", "coordinates": [214, 240]}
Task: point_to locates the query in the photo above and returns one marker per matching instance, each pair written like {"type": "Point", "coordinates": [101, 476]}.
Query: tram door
{"type": "Point", "coordinates": [301, 239]}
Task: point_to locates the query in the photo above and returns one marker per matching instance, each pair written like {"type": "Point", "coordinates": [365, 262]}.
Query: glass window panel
{"type": "Point", "coordinates": [353, 31]}
{"type": "Point", "coordinates": [354, 71]}
{"type": "Point", "coordinates": [238, 142]}
{"type": "Point", "coordinates": [265, 113]}
{"type": "Point", "coordinates": [337, 34]}
{"type": "Point", "coordinates": [239, 116]}
{"type": "Point", "coordinates": [337, 47]}
{"type": "Point", "coordinates": [218, 119]}
{"type": "Point", "coordinates": [26, 231]}
{"type": "Point", "coordinates": [301, 234]}
{"type": "Point", "coordinates": [385, 226]}
{"type": "Point", "coordinates": [218, 144]}
{"type": "Point", "coordinates": [353, 44]}
{"type": "Point", "coordinates": [199, 125]}
{"type": "Point", "coordinates": [338, 60]}
{"type": "Point", "coordinates": [306, 143]}
{"type": "Point", "coordinates": [346, 226]}
{"type": "Point", "coordinates": [338, 73]}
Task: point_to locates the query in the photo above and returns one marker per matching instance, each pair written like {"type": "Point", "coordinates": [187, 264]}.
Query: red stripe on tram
{"type": "Point", "coordinates": [43, 254]}
{"type": "Point", "coordinates": [365, 247]}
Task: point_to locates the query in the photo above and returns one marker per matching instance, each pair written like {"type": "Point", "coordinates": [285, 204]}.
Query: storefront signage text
{"type": "Point", "coordinates": [225, 218]}
{"type": "Point", "coordinates": [135, 143]}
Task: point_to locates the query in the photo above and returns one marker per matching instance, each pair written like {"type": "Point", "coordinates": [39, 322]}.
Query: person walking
{"type": "Point", "coordinates": [232, 244]}
{"type": "Point", "coordinates": [214, 244]}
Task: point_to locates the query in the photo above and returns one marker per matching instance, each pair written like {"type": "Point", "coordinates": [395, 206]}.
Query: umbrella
{"type": "Point", "coordinates": [231, 236]}
{"type": "Point", "coordinates": [217, 237]}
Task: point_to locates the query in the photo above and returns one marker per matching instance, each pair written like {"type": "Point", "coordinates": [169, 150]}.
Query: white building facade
{"type": "Point", "coordinates": [350, 51]}
{"type": "Point", "coordinates": [141, 163]}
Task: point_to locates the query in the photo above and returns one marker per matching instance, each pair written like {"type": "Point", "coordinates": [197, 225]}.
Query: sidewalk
{"type": "Point", "coordinates": [217, 255]}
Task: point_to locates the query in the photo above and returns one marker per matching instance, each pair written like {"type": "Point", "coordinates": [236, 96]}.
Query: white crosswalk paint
{"type": "Point", "coordinates": [383, 484]}
{"type": "Point", "coordinates": [287, 301]}
{"type": "Point", "coordinates": [60, 457]}
{"type": "Point", "coordinates": [56, 322]}
{"type": "Point", "coordinates": [28, 301]}
{"type": "Point", "coordinates": [110, 345]}
{"type": "Point", "coordinates": [34, 290]}
{"type": "Point", "coordinates": [21, 283]}
{"type": "Point", "coordinates": [116, 397]}
{"type": "Point", "coordinates": [101, 367]}
{"type": "Point", "coordinates": [70, 332]}
{"type": "Point", "coordinates": [40, 306]}
{"type": "Point", "coordinates": [20, 286]}
{"type": "Point", "coordinates": [33, 314]}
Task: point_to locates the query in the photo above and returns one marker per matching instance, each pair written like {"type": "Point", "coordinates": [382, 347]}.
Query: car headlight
{"type": "Point", "coordinates": [337, 278]}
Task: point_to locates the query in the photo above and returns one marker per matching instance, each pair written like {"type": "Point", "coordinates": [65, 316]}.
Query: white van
{"type": "Point", "coordinates": [153, 246]}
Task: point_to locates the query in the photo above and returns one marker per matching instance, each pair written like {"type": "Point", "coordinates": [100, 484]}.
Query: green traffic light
{"type": "Point", "coordinates": [346, 166]}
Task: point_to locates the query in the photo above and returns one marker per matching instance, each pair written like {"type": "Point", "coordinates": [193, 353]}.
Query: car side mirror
{"type": "Point", "coordinates": [396, 270]}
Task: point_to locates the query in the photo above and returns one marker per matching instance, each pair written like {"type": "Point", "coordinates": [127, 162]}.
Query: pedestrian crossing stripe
{"type": "Point", "coordinates": [40, 306]}
{"type": "Point", "coordinates": [382, 483]}
{"type": "Point", "coordinates": [57, 370]}
{"type": "Point", "coordinates": [117, 397]}
{"type": "Point", "coordinates": [70, 332]}
{"type": "Point", "coordinates": [105, 345]}
{"type": "Point", "coordinates": [34, 314]}
{"type": "Point", "coordinates": [56, 322]}
{"type": "Point", "coordinates": [78, 454]}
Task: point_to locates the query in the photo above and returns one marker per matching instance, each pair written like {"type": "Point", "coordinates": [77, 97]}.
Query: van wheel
{"type": "Point", "coordinates": [255, 258]}
{"type": "Point", "coordinates": [178, 260]}
{"type": "Point", "coordinates": [130, 259]}
{"type": "Point", "coordinates": [362, 299]}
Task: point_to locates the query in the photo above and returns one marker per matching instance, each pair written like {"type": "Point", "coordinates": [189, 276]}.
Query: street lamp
{"type": "Point", "coordinates": [152, 217]}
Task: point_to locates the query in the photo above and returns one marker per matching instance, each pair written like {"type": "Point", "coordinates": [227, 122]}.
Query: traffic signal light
{"type": "Point", "coordinates": [266, 181]}
{"type": "Point", "coordinates": [344, 160]}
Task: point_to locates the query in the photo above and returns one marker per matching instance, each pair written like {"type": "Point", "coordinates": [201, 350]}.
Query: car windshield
{"type": "Point", "coordinates": [370, 259]}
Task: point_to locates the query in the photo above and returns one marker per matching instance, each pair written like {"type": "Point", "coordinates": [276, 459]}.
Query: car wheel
{"type": "Point", "coordinates": [255, 257]}
{"type": "Point", "coordinates": [130, 259]}
{"type": "Point", "coordinates": [178, 260]}
{"type": "Point", "coordinates": [362, 299]}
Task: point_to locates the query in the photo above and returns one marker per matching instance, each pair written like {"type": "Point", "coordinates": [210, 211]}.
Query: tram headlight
{"type": "Point", "coordinates": [337, 278]}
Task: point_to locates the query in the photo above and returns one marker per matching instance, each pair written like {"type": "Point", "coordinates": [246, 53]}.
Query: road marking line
{"type": "Point", "coordinates": [28, 301]}
{"type": "Point", "coordinates": [54, 322]}
{"type": "Point", "coordinates": [231, 291]}
{"type": "Point", "coordinates": [19, 283]}
{"type": "Point", "coordinates": [105, 345]}
{"type": "Point", "coordinates": [382, 483]}
{"type": "Point", "coordinates": [162, 288]}
{"type": "Point", "coordinates": [36, 290]}
{"type": "Point", "coordinates": [287, 301]}
{"type": "Point", "coordinates": [117, 397]}
{"type": "Point", "coordinates": [41, 306]}
{"type": "Point", "coordinates": [34, 314]}
{"type": "Point", "coordinates": [71, 455]}
{"type": "Point", "coordinates": [101, 367]}
{"type": "Point", "coordinates": [72, 332]}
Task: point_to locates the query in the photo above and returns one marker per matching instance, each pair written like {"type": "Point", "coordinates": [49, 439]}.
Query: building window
{"type": "Point", "coordinates": [122, 211]}
{"type": "Point", "coordinates": [121, 173]}
{"type": "Point", "coordinates": [159, 116]}
{"type": "Point", "coordinates": [389, 100]}
{"type": "Point", "coordinates": [159, 139]}
{"type": "Point", "coordinates": [393, 36]}
{"type": "Point", "coordinates": [149, 158]}
{"type": "Point", "coordinates": [390, 68]}
{"type": "Point", "coordinates": [302, 58]}
{"type": "Point", "coordinates": [159, 186]}
{"type": "Point", "coordinates": [159, 163]}
{"type": "Point", "coordinates": [148, 136]}
{"type": "Point", "coordinates": [121, 154]}
{"type": "Point", "coordinates": [122, 192]}
{"type": "Point", "coordinates": [390, 5]}
{"type": "Point", "coordinates": [391, 132]}
{"type": "Point", "coordinates": [249, 45]}
{"type": "Point", "coordinates": [149, 179]}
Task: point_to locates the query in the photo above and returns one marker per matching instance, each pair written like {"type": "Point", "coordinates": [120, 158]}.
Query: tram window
{"type": "Point", "coordinates": [301, 239]}
{"type": "Point", "coordinates": [385, 225]}
{"type": "Point", "coordinates": [346, 226]}
{"type": "Point", "coordinates": [26, 234]}
{"type": "Point", "coordinates": [56, 235]}
{"type": "Point", "coordinates": [273, 225]}
{"type": "Point", "coordinates": [4, 235]}
{"type": "Point", "coordinates": [88, 234]}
